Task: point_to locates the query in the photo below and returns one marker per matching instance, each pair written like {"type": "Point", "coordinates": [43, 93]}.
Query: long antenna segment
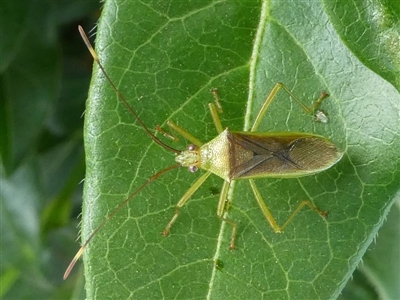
{"type": "Point", "coordinates": [120, 96]}
{"type": "Point", "coordinates": [117, 209]}
{"type": "Point", "coordinates": [149, 133]}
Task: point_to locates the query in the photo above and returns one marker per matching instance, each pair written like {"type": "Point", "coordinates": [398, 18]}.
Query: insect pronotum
{"type": "Point", "coordinates": [237, 155]}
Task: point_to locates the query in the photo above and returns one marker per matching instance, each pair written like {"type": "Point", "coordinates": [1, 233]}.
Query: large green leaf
{"type": "Point", "coordinates": [165, 57]}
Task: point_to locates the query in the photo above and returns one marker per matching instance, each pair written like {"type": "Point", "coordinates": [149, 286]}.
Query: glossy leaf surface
{"type": "Point", "coordinates": [165, 57]}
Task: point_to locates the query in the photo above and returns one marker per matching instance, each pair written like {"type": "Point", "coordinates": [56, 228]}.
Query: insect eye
{"type": "Point", "coordinates": [193, 169]}
{"type": "Point", "coordinates": [192, 147]}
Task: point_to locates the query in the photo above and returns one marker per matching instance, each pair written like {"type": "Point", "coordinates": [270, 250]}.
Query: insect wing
{"type": "Point", "coordinates": [280, 155]}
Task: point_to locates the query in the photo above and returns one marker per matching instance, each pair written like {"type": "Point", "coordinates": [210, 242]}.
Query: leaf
{"type": "Point", "coordinates": [29, 87]}
{"type": "Point", "coordinates": [385, 276]}
{"type": "Point", "coordinates": [14, 20]}
{"type": "Point", "coordinates": [373, 36]}
{"type": "Point", "coordinates": [41, 157]}
{"type": "Point", "coordinates": [377, 276]}
{"type": "Point", "coordinates": [165, 57]}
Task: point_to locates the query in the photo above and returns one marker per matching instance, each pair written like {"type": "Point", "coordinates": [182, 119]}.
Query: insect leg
{"type": "Point", "coordinates": [215, 110]}
{"type": "Point", "coordinates": [271, 97]}
{"type": "Point", "coordinates": [271, 220]}
{"type": "Point", "coordinates": [215, 116]}
{"type": "Point", "coordinates": [214, 91]}
{"type": "Point", "coordinates": [186, 135]}
{"type": "Point", "coordinates": [166, 134]}
{"type": "Point", "coordinates": [184, 199]}
{"type": "Point", "coordinates": [221, 209]}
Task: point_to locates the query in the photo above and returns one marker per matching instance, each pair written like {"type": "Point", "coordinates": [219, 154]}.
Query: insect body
{"type": "Point", "coordinates": [244, 155]}
{"type": "Point", "coordinates": [219, 264]}
{"type": "Point", "coordinates": [238, 155]}
{"type": "Point", "coordinates": [250, 155]}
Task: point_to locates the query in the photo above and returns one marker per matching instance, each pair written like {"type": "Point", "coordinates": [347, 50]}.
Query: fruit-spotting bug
{"type": "Point", "coordinates": [237, 155]}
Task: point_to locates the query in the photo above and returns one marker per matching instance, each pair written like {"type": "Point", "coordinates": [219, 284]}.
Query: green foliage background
{"type": "Point", "coordinates": [165, 56]}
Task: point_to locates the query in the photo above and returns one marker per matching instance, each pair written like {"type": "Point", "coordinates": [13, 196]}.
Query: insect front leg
{"type": "Point", "coordinates": [186, 135]}
{"type": "Point", "coordinates": [215, 110]}
{"type": "Point", "coordinates": [214, 91]}
{"type": "Point", "coordinates": [166, 134]}
{"type": "Point", "coordinates": [200, 181]}
{"type": "Point", "coordinates": [195, 186]}
{"type": "Point", "coordinates": [271, 220]}
{"type": "Point", "coordinates": [179, 130]}
{"type": "Point", "coordinates": [271, 97]}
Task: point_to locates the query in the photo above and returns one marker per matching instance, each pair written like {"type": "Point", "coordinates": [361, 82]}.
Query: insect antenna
{"type": "Point", "coordinates": [149, 133]}
{"type": "Point", "coordinates": [117, 209]}
{"type": "Point", "coordinates": [120, 96]}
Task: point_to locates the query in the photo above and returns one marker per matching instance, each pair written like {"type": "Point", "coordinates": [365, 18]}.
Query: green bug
{"type": "Point", "coordinates": [238, 155]}
{"type": "Point", "coordinates": [249, 155]}
{"type": "Point", "coordinates": [219, 264]}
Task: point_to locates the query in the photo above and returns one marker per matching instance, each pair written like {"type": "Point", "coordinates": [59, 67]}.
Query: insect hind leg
{"type": "Point", "coordinates": [215, 110]}
{"type": "Point", "coordinates": [267, 213]}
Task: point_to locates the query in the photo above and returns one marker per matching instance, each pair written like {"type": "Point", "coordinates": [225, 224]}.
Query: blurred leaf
{"type": "Point", "coordinates": [7, 280]}
{"type": "Point", "coordinates": [14, 20]}
{"type": "Point", "coordinates": [62, 170]}
{"type": "Point", "coordinates": [29, 87]}
{"type": "Point", "coordinates": [381, 264]}
{"type": "Point", "coordinates": [358, 288]}
{"type": "Point", "coordinates": [41, 163]}
{"type": "Point", "coordinates": [378, 273]}
{"type": "Point", "coordinates": [20, 222]}
{"type": "Point", "coordinates": [22, 247]}
{"type": "Point", "coordinates": [165, 58]}
{"type": "Point", "coordinates": [70, 11]}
